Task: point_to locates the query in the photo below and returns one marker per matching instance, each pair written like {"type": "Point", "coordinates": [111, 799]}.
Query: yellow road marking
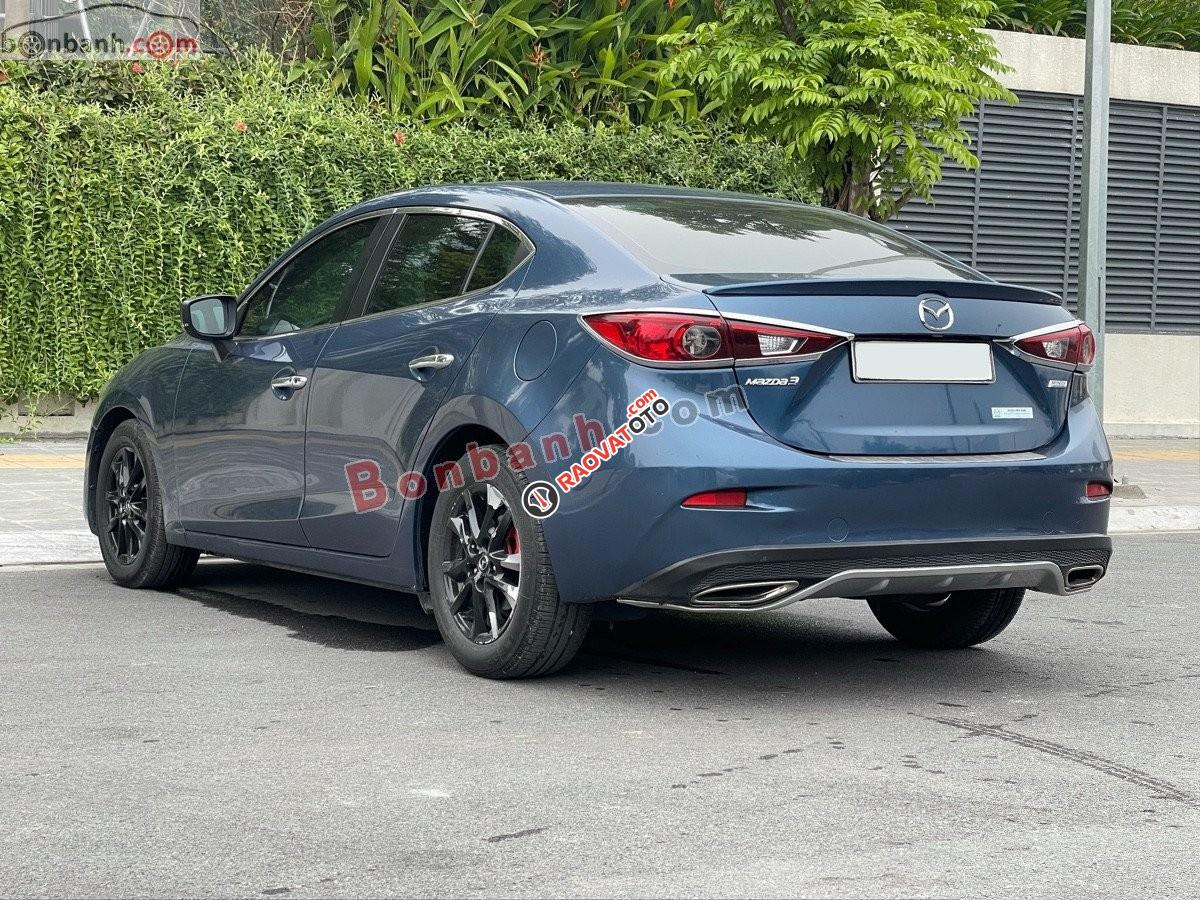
{"type": "Point", "coordinates": [1161, 455]}
{"type": "Point", "coordinates": [41, 461]}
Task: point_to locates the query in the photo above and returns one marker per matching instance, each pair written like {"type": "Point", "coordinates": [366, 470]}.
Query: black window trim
{"type": "Point", "coordinates": [349, 290]}
{"type": "Point", "coordinates": [370, 278]}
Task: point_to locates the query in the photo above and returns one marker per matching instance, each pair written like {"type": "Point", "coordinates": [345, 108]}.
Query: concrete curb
{"type": "Point", "coordinates": [1137, 519]}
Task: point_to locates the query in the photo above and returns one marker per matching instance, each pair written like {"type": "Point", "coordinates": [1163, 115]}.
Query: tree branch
{"type": "Point", "coordinates": [787, 22]}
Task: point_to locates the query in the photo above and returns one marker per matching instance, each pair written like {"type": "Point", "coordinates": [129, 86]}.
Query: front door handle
{"type": "Point", "coordinates": [432, 361]}
{"type": "Point", "coordinates": [289, 382]}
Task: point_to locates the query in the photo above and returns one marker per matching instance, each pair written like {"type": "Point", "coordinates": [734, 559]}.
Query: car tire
{"type": "Point", "coordinates": [506, 622]}
{"type": "Point", "coordinates": [129, 516]}
{"type": "Point", "coordinates": [949, 622]}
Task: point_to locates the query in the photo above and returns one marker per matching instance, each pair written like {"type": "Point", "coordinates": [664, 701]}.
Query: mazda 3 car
{"type": "Point", "coordinates": [532, 403]}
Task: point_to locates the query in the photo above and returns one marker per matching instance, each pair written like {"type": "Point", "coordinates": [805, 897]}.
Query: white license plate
{"type": "Point", "coordinates": [928, 361]}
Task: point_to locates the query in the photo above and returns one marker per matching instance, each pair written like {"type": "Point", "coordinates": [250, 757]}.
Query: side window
{"type": "Point", "coordinates": [306, 292]}
{"type": "Point", "coordinates": [429, 260]}
{"type": "Point", "coordinates": [501, 255]}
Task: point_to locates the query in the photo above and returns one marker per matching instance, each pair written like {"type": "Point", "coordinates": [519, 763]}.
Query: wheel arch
{"type": "Point", "coordinates": [469, 418]}
{"type": "Point", "coordinates": [451, 447]}
{"type": "Point", "coordinates": [102, 430]}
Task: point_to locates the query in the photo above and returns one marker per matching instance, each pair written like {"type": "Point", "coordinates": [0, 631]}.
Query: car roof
{"type": "Point", "coordinates": [564, 190]}
{"type": "Point", "coordinates": [481, 192]}
{"type": "Point", "coordinates": [514, 197]}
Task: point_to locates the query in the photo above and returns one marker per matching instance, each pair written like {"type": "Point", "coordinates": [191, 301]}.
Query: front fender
{"type": "Point", "coordinates": [144, 389]}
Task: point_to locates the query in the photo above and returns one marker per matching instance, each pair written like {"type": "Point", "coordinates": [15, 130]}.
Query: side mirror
{"type": "Point", "coordinates": [212, 317]}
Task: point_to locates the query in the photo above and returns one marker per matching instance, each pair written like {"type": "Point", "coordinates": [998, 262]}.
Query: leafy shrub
{"type": "Point", "coordinates": [580, 61]}
{"type": "Point", "coordinates": [191, 181]}
{"type": "Point", "coordinates": [871, 91]}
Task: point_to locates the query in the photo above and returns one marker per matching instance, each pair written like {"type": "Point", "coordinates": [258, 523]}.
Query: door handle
{"type": "Point", "coordinates": [432, 361]}
{"type": "Point", "coordinates": [289, 382]}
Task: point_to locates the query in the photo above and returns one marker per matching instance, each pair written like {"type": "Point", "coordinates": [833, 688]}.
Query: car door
{"type": "Point", "coordinates": [382, 375]}
{"type": "Point", "coordinates": [241, 406]}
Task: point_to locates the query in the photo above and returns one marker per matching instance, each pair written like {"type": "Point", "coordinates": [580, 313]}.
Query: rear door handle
{"type": "Point", "coordinates": [289, 382]}
{"type": "Point", "coordinates": [432, 361]}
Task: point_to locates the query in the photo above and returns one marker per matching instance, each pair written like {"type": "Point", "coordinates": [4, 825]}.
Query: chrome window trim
{"type": "Point", "coordinates": [401, 211]}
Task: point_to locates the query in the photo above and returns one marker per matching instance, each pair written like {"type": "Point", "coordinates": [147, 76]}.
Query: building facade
{"type": "Point", "coordinates": [1017, 216]}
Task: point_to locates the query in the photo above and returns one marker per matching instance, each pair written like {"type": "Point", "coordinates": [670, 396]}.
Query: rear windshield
{"type": "Point", "coordinates": [691, 237]}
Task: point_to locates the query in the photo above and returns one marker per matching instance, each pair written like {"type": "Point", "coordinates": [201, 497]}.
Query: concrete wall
{"type": "Point", "coordinates": [1054, 65]}
{"type": "Point", "coordinates": [1152, 385]}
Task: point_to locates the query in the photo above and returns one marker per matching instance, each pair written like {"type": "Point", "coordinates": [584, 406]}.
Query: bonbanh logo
{"type": "Point", "coordinates": [107, 30]}
{"type": "Point", "coordinates": [31, 45]}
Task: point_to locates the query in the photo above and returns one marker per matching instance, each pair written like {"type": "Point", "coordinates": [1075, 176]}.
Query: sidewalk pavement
{"type": "Point", "coordinates": [41, 496]}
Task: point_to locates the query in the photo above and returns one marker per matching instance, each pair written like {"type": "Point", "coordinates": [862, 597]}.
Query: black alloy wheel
{"type": "Point", "coordinates": [483, 571]}
{"type": "Point", "coordinates": [492, 588]}
{"type": "Point", "coordinates": [125, 494]}
{"type": "Point", "coordinates": [127, 500]}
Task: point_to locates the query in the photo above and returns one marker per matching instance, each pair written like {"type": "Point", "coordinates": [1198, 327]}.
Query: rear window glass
{"type": "Point", "coordinates": [429, 260]}
{"type": "Point", "coordinates": [499, 257]}
{"type": "Point", "coordinates": [700, 236]}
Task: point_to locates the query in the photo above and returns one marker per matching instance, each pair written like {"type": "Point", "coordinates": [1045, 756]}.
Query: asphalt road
{"type": "Point", "coordinates": [262, 733]}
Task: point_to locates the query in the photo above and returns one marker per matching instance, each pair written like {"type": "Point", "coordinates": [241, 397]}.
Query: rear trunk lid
{"type": "Point", "coordinates": [929, 369]}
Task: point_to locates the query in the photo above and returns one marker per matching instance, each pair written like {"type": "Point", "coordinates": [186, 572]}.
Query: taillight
{"type": "Point", "coordinates": [729, 498]}
{"type": "Point", "coordinates": [1074, 346]}
{"type": "Point", "coordinates": [1098, 490]}
{"type": "Point", "coordinates": [683, 338]}
{"type": "Point", "coordinates": [753, 340]}
{"type": "Point", "coordinates": [664, 337]}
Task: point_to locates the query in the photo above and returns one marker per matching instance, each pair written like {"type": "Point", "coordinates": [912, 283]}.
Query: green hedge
{"type": "Point", "coordinates": [112, 211]}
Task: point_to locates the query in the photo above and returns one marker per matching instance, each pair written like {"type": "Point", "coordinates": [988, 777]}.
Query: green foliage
{"type": "Point", "coordinates": [1153, 23]}
{"type": "Point", "coordinates": [439, 60]}
{"type": "Point", "coordinates": [193, 179]}
{"type": "Point", "coordinates": [871, 92]}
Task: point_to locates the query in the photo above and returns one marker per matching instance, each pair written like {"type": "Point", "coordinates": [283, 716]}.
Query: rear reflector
{"type": "Point", "coordinates": [677, 339]}
{"type": "Point", "coordinates": [1098, 490]}
{"type": "Point", "coordinates": [1074, 346]}
{"type": "Point", "coordinates": [732, 498]}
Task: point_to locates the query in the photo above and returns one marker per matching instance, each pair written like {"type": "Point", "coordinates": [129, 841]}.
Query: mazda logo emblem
{"type": "Point", "coordinates": [935, 313]}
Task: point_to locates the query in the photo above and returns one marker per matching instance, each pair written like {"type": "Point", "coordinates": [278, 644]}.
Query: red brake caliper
{"type": "Point", "coordinates": [512, 543]}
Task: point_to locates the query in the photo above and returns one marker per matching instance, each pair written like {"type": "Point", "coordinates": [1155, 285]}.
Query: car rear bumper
{"type": "Point", "coordinates": [763, 578]}
{"type": "Point", "coordinates": [623, 533]}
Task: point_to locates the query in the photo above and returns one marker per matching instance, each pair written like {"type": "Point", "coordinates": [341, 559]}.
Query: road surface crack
{"type": "Point", "coordinates": [1164, 789]}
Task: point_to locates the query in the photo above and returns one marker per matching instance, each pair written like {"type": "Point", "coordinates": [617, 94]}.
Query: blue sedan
{"type": "Point", "coordinates": [536, 403]}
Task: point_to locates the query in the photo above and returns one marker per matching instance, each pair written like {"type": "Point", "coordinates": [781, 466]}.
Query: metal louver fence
{"type": "Point", "coordinates": [1016, 218]}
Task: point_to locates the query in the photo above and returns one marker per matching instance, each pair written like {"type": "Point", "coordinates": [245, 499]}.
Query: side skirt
{"type": "Point", "coordinates": [370, 571]}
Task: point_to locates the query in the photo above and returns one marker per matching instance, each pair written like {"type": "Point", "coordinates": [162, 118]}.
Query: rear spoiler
{"type": "Point", "coordinates": [881, 287]}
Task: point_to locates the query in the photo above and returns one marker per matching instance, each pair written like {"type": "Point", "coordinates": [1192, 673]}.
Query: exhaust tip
{"type": "Point", "coordinates": [1084, 576]}
{"type": "Point", "coordinates": [745, 595]}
